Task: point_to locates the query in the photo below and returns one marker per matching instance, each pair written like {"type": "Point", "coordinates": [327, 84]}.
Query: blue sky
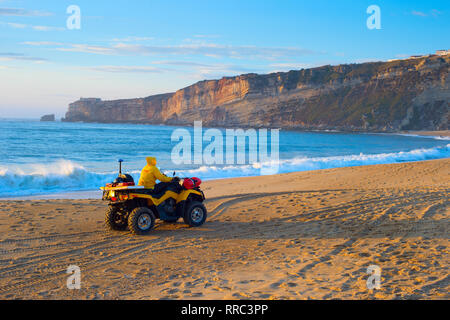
{"type": "Point", "coordinates": [128, 49]}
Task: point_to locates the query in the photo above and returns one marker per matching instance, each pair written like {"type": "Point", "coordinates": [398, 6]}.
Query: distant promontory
{"type": "Point", "coordinates": [407, 94]}
{"type": "Point", "coordinates": [48, 117]}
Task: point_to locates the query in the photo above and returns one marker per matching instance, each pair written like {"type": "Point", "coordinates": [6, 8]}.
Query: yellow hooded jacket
{"type": "Point", "coordinates": [151, 173]}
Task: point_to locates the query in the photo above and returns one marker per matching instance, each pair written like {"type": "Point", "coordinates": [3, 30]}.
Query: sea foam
{"type": "Point", "coordinates": [65, 176]}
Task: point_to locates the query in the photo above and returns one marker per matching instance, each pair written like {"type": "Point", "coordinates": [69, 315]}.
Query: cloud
{"type": "Point", "coordinates": [210, 50]}
{"type": "Point", "coordinates": [181, 63]}
{"type": "Point", "coordinates": [197, 69]}
{"type": "Point", "coordinates": [205, 66]}
{"type": "Point", "coordinates": [37, 28]}
{"type": "Point", "coordinates": [8, 56]}
{"type": "Point", "coordinates": [23, 12]}
{"type": "Point", "coordinates": [42, 43]}
{"type": "Point", "coordinates": [16, 25]}
{"type": "Point", "coordinates": [433, 13]}
{"type": "Point", "coordinates": [89, 49]}
{"type": "Point", "coordinates": [47, 28]}
{"type": "Point", "coordinates": [194, 70]}
{"type": "Point", "coordinates": [132, 38]}
{"type": "Point", "coordinates": [127, 69]}
{"type": "Point", "coordinates": [418, 13]}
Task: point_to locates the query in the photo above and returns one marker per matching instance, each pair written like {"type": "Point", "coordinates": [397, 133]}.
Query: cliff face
{"type": "Point", "coordinates": [410, 94]}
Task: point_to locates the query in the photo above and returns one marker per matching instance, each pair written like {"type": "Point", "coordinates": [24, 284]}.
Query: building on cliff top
{"type": "Point", "coordinates": [90, 99]}
{"type": "Point", "coordinates": [442, 52]}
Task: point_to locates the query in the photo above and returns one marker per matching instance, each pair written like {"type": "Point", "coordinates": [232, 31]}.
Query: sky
{"type": "Point", "coordinates": [130, 49]}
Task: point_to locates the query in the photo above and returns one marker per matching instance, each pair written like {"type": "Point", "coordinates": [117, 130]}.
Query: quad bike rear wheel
{"type": "Point", "coordinates": [114, 221]}
{"type": "Point", "coordinates": [141, 220]}
{"type": "Point", "coordinates": [195, 214]}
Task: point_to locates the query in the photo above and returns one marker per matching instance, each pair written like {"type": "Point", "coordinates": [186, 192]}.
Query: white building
{"type": "Point", "coordinates": [442, 52]}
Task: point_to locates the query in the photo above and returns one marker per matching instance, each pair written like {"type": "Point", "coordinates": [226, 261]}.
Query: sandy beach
{"type": "Point", "coordinates": [442, 133]}
{"type": "Point", "coordinates": [306, 235]}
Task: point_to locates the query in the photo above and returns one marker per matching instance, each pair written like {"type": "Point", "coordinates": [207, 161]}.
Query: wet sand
{"type": "Point", "coordinates": [442, 133]}
{"type": "Point", "coordinates": [306, 235]}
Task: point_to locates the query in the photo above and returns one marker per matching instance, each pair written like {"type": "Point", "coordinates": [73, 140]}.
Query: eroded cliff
{"type": "Point", "coordinates": [410, 94]}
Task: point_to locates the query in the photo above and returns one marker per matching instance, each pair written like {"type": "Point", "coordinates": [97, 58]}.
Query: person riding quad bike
{"type": "Point", "coordinates": [137, 207]}
{"type": "Point", "coordinates": [150, 173]}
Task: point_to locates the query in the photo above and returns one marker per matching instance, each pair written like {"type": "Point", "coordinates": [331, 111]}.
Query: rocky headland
{"type": "Point", "coordinates": [408, 94]}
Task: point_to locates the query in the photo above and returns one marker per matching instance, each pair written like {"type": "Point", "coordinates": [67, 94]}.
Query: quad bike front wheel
{"type": "Point", "coordinates": [195, 214]}
{"type": "Point", "coordinates": [141, 220]}
{"type": "Point", "coordinates": [114, 221]}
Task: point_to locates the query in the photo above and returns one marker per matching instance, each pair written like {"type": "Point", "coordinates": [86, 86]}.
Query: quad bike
{"type": "Point", "coordinates": [137, 208]}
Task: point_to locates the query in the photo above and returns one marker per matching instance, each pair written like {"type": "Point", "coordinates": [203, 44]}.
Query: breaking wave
{"type": "Point", "coordinates": [306, 164]}
{"type": "Point", "coordinates": [60, 176]}
{"type": "Point", "coordinates": [65, 176]}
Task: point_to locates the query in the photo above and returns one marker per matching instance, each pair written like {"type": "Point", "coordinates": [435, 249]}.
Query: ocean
{"type": "Point", "coordinates": [41, 158]}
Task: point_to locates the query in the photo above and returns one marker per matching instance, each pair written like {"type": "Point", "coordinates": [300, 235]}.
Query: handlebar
{"type": "Point", "coordinates": [179, 178]}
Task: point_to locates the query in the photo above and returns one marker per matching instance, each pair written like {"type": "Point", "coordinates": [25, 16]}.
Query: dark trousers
{"type": "Point", "coordinates": [159, 187]}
